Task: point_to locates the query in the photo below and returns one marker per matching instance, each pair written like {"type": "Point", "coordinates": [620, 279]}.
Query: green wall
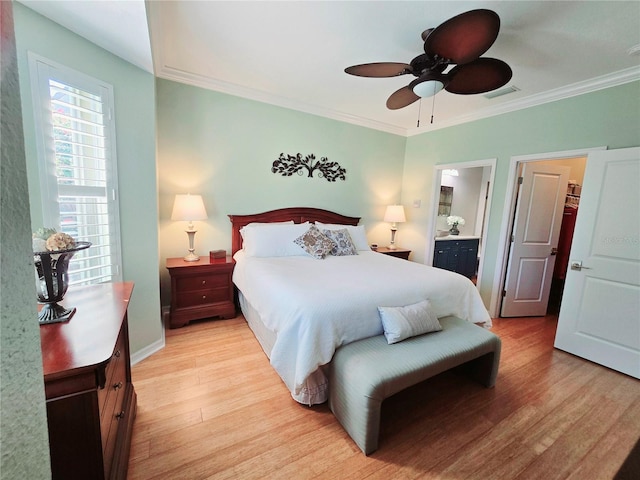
{"type": "Point", "coordinates": [608, 117]}
{"type": "Point", "coordinates": [222, 147]}
{"type": "Point", "coordinates": [24, 443]}
{"type": "Point", "coordinates": [135, 136]}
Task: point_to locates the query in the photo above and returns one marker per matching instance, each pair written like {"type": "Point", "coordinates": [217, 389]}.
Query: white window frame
{"type": "Point", "coordinates": [41, 71]}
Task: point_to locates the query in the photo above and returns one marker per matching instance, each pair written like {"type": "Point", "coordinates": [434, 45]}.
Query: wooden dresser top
{"type": "Point", "coordinates": [88, 339]}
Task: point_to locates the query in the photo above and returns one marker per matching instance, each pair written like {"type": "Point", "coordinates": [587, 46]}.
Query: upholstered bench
{"type": "Point", "coordinates": [363, 373]}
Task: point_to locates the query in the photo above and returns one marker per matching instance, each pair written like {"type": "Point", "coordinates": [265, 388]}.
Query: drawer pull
{"type": "Point", "coordinates": [117, 354]}
{"type": "Point", "coordinates": [118, 385]}
{"type": "Point", "coordinates": [204, 282]}
{"type": "Point", "coordinates": [204, 297]}
{"type": "Point", "coordinates": [120, 415]}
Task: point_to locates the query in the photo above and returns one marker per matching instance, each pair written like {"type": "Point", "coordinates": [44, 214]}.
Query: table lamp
{"type": "Point", "coordinates": [189, 208]}
{"type": "Point", "coordinates": [394, 214]}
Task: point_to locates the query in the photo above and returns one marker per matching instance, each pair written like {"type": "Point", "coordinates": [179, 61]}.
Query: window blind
{"type": "Point", "coordinates": [78, 170]}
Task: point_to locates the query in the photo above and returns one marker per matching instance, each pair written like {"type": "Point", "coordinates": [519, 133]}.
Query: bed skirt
{"type": "Point", "coordinates": [266, 338]}
{"type": "Point", "coordinates": [316, 388]}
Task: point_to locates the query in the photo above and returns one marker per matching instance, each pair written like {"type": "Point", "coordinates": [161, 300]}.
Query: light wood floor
{"type": "Point", "coordinates": [211, 406]}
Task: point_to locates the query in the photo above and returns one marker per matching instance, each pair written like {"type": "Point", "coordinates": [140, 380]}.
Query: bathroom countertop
{"type": "Point", "coordinates": [457, 237]}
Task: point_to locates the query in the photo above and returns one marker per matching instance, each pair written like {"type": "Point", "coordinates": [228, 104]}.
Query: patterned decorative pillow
{"type": "Point", "coordinates": [315, 243]}
{"type": "Point", "coordinates": [342, 243]}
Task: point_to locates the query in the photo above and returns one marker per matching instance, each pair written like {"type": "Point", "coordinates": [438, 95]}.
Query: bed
{"type": "Point", "coordinates": [301, 308]}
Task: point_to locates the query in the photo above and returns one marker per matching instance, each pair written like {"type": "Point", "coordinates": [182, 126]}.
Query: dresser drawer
{"type": "Point", "coordinates": [112, 366]}
{"type": "Point", "coordinates": [110, 425]}
{"type": "Point", "coordinates": [109, 397]}
{"type": "Point", "coordinates": [202, 282]}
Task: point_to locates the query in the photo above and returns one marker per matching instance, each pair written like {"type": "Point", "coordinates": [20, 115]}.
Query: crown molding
{"type": "Point", "coordinates": [599, 83]}
{"type": "Point", "coordinates": [170, 73]}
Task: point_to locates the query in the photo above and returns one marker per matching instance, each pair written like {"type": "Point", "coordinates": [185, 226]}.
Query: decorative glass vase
{"type": "Point", "coordinates": [52, 282]}
{"type": "Point", "coordinates": [454, 229]}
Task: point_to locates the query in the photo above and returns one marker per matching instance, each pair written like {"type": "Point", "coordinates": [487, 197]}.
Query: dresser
{"type": "Point", "coordinates": [457, 254]}
{"type": "Point", "coordinates": [91, 402]}
{"type": "Point", "coordinates": [201, 289]}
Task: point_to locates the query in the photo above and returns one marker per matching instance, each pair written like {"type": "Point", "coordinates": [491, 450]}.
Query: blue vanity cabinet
{"type": "Point", "coordinates": [457, 255]}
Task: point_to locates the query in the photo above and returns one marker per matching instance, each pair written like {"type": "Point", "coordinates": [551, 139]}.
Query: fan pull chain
{"type": "Point", "coordinates": [433, 105]}
{"type": "Point", "coordinates": [419, 110]}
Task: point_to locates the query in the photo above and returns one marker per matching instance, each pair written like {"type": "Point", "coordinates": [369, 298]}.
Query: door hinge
{"type": "Point", "coordinates": [520, 180]}
{"type": "Point", "coordinates": [504, 293]}
{"type": "Point", "coordinates": [513, 238]}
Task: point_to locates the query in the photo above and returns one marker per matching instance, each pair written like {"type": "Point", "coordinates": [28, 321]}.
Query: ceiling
{"type": "Point", "coordinates": [293, 54]}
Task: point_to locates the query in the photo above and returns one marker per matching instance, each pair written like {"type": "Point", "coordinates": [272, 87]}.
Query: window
{"type": "Point", "coordinates": [75, 132]}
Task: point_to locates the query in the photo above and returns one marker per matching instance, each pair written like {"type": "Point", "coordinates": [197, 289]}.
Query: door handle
{"type": "Point", "coordinates": [554, 251]}
{"type": "Point", "coordinates": [578, 266]}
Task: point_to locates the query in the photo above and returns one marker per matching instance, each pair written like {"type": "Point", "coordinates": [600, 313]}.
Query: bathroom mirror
{"type": "Point", "coordinates": [446, 196]}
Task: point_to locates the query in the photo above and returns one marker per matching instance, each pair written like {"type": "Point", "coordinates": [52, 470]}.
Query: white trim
{"type": "Point", "coordinates": [158, 344]}
{"type": "Point", "coordinates": [599, 83]}
{"type": "Point", "coordinates": [41, 71]}
{"type": "Point", "coordinates": [189, 78]}
{"type": "Point", "coordinates": [148, 350]}
{"type": "Point", "coordinates": [431, 225]}
{"type": "Point", "coordinates": [579, 88]}
{"type": "Point", "coordinates": [507, 216]}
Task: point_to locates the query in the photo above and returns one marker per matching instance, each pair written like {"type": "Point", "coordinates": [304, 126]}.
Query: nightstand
{"type": "Point", "coordinates": [200, 289]}
{"type": "Point", "coordinates": [398, 252]}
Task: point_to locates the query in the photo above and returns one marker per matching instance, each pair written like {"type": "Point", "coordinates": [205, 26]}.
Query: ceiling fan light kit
{"type": "Point", "coordinates": [459, 41]}
{"type": "Point", "coordinates": [428, 87]}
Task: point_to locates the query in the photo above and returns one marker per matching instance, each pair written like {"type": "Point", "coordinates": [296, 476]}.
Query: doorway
{"type": "Point", "coordinates": [577, 160]}
{"type": "Point", "coordinates": [468, 195]}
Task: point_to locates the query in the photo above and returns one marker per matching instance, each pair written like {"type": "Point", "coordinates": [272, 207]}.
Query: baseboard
{"type": "Point", "coordinates": [147, 351]}
{"type": "Point", "coordinates": [155, 346]}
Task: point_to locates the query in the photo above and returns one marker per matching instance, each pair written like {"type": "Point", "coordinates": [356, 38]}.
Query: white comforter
{"type": "Point", "coordinates": [315, 306]}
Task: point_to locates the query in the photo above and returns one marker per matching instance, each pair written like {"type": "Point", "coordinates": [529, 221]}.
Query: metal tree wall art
{"type": "Point", "coordinates": [287, 166]}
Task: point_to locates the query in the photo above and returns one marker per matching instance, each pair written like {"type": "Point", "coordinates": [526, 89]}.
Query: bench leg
{"type": "Point", "coordinates": [359, 415]}
{"type": "Point", "coordinates": [484, 369]}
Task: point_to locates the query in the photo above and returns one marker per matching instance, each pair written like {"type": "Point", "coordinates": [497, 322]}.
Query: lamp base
{"type": "Point", "coordinates": [191, 256]}
{"type": "Point", "coordinates": [392, 245]}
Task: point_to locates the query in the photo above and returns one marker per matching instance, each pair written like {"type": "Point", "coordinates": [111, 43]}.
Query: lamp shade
{"type": "Point", "coordinates": [394, 214]}
{"type": "Point", "coordinates": [188, 207]}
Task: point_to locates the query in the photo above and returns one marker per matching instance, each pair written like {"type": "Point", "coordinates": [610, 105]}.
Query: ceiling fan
{"type": "Point", "coordinates": [458, 41]}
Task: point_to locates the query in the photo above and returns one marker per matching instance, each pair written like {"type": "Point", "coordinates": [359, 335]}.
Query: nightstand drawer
{"type": "Point", "coordinates": [201, 282]}
{"type": "Point", "coordinates": [202, 297]}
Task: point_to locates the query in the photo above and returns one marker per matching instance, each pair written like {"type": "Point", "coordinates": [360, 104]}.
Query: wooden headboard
{"type": "Point", "coordinates": [297, 214]}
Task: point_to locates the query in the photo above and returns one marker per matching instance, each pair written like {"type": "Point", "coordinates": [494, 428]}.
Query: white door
{"type": "Point", "coordinates": [536, 229]}
{"type": "Point", "coordinates": [600, 312]}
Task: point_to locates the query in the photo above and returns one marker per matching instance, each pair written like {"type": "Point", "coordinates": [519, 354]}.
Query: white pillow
{"type": "Point", "coordinates": [400, 323]}
{"type": "Point", "coordinates": [273, 240]}
{"type": "Point", "coordinates": [357, 233]}
{"type": "Point", "coordinates": [260, 224]}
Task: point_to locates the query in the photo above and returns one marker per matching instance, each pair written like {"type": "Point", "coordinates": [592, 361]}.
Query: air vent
{"type": "Point", "coordinates": [502, 91]}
